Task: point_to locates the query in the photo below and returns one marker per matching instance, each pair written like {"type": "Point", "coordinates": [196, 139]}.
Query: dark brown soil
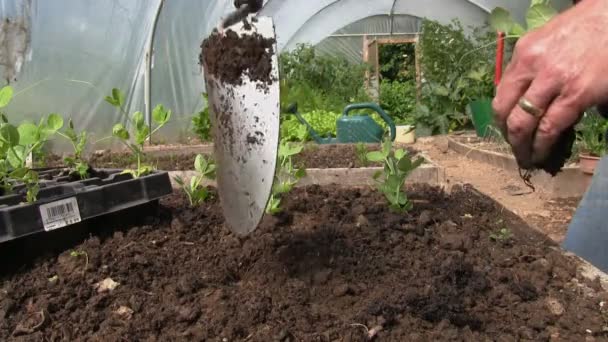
{"type": "Point", "coordinates": [323, 157]}
{"type": "Point", "coordinates": [229, 57]}
{"type": "Point", "coordinates": [337, 156]}
{"type": "Point", "coordinates": [336, 264]}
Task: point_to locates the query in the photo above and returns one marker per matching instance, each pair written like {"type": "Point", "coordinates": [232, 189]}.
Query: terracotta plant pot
{"type": "Point", "coordinates": [588, 163]}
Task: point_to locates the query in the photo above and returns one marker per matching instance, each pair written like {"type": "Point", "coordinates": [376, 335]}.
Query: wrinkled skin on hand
{"type": "Point", "coordinates": [561, 68]}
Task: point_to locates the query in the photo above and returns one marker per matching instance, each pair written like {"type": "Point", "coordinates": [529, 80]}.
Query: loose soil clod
{"type": "Point", "coordinates": [309, 277]}
{"type": "Point", "coordinates": [229, 57]}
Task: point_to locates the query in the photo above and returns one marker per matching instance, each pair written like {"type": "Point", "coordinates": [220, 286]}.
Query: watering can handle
{"type": "Point", "coordinates": [376, 108]}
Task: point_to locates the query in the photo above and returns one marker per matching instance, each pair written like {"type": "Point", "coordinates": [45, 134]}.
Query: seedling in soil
{"type": "Point", "coordinates": [196, 192]}
{"type": "Point", "coordinates": [78, 254]}
{"type": "Point", "coordinates": [397, 167]}
{"type": "Point", "coordinates": [140, 131]}
{"type": "Point", "coordinates": [503, 235]}
{"type": "Point", "coordinates": [287, 175]}
{"type": "Point", "coordinates": [79, 141]}
{"type": "Point", "coordinates": [17, 143]}
{"type": "Point", "coordinates": [361, 150]}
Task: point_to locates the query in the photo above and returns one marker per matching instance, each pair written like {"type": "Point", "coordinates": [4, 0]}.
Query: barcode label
{"type": "Point", "coordinates": [59, 214]}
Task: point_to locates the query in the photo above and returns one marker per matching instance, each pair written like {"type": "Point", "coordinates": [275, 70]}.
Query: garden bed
{"type": "Point", "coordinates": [173, 158]}
{"type": "Point", "coordinates": [570, 182]}
{"type": "Point", "coordinates": [336, 265]}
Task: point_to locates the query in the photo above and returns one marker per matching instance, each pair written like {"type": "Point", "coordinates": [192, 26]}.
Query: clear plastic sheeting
{"type": "Point", "coordinates": [66, 55]}
{"type": "Point", "coordinates": [80, 50]}
{"type": "Point", "coordinates": [348, 41]}
{"type": "Point", "coordinates": [14, 39]}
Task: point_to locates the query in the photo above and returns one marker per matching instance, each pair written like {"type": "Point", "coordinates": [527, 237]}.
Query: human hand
{"type": "Point", "coordinates": [560, 70]}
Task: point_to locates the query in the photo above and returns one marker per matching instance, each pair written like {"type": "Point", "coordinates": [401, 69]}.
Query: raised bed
{"type": "Point", "coordinates": [63, 201]}
{"type": "Point", "coordinates": [335, 266]}
{"type": "Point", "coordinates": [571, 182]}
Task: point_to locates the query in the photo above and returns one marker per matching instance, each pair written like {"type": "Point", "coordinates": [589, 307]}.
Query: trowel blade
{"type": "Point", "coordinates": [245, 120]}
{"type": "Point", "coordinates": [587, 234]}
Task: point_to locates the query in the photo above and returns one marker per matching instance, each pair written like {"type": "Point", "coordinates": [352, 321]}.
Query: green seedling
{"type": "Point", "coordinates": [18, 142]}
{"type": "Point", "coordinates": [78, 141]}
{"type": "Point", "coordinates": [140, 131]}
{"type": "Point", "coordinates": [287, 175]}
{"type": "Point", "coordinates": [397, 167]}
{"type": "Point", "coordinates": [538, 14]}
{"type": "Point", "coordinates": [198, 193]}
{"type": "Point", "coordinates": [503, 235]}
{"type": "Point", "coordinates": [361, 150]}
{"type": "Point", "coordinates": [79, 254]}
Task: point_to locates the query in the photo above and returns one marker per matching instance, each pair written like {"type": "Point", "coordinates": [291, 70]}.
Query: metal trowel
{"type": "Point", "coordinates": [245, 121]}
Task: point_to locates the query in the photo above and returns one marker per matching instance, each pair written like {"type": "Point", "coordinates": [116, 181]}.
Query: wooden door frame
{"type": "Point", "coordinates": [395, 40]}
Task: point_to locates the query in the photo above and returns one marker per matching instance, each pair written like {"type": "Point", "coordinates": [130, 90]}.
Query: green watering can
{"type": "Point", "coordinates": [352, 128]}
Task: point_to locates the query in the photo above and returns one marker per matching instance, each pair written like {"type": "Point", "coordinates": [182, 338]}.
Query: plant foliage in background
{"type": "Point", "coordinates": [201, 123]}
{"type": "Point", "coordinates": [398, 99]}
{"type": "Point", "coordinates": [398, 165]}
{"type": "Point", "coordinates": [397, 62]}
{"type": "Point", "coordinates": [538, 14]}
{"type": "Point", "coordinates": [457, 70]}
{"type": "Point", "coordinates": [323, 121]}
{"type": "Point", "coordinates": [316, 81]}
{"type": "Point", "coordinates": [591, 134]}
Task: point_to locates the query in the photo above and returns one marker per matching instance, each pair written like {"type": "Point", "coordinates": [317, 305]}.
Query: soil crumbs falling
{"type": "Point", "coordinates": [335, 266]}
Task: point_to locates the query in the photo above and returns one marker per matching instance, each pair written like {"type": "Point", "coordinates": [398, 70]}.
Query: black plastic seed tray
{"type": "Point", "coordinates": [63, 202]}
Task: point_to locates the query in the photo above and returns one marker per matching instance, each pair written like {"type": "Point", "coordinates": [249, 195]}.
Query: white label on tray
{"type": "Point", "coordinates": [59, 214]}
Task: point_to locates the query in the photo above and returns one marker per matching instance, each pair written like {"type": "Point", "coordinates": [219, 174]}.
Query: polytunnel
{"type": "Point", "coordinates": [65, 56]}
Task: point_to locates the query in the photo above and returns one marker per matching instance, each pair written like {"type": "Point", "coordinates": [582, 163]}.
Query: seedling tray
{"type": "Point", "coordinates": [63, 202]}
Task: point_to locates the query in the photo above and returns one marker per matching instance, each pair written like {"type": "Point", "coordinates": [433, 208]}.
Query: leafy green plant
{"type": "Point", "coordinates": [591, 134]}
{"type": "Point", "coordinates": [195, 190]}
{"type": "Point", "coordinates": [361, 151]}
{"type": "Point", "coordinates": [323, 121]}
{"type": "Point", "coordinates": [398, 165]}
{"type": "Point", "coordinates": [287, 175]}
{"type": "Point", "coordinates": [397, 62]}
{"type": "Point", "coordinates": [201, 123]}
{"type": "Point", "coordinates": [398, 99]}
{"type": "Point", "coordinates": [78, 141]}
{"type": "Point", "coordinates": [539, 13]}
{"type": "Point", "coordinates": [140, 131]}
{"type": "Point", "coordinates": [17, 143]}
{"type": "Point", "coordinates": [447, 92]}
{"type": "Point", "coordinates": [319, 81]}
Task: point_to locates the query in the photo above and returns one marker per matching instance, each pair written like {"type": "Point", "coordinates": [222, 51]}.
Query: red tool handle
{"type": "Point", "coordinates": [500, 55]}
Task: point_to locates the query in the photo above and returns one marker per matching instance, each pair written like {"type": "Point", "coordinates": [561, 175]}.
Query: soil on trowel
{"type": "Point", "coordinates": [336, 265]}
{"type": "Point", "coordinates": [229, 57]}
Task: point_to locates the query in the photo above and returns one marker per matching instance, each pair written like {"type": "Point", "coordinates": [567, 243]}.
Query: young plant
{"type": "Point", "coordinates": [17, 143]}
{"type": "Point", "coordinates": [140, 131]}
{"type": "Point", "coordinates": [198, 193]}
{"type": "Point", "coordinates": [78, 141]}
{"type": "Point", "coordinates": [503, 235]}
{"type": "Point", "coordinates": [79, 254]}
{"type": "Point", "coordinates": [201, 123]}
{"type": "Point", "coordinates": [361, 151]}
{"type": "Point", "coordinates": [397, 167]}
{"type": "Point", "coordinates": [539, 13]}
{"type": "Point", "coordinates": [287, 175]}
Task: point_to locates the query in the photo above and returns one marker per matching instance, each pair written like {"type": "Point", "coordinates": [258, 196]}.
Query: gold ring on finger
{"type": "Point", "coordinates": [529, 108]}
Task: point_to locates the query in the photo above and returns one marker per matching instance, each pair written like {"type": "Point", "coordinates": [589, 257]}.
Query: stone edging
{"type": "Point", "coordinates": [568, 183]}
